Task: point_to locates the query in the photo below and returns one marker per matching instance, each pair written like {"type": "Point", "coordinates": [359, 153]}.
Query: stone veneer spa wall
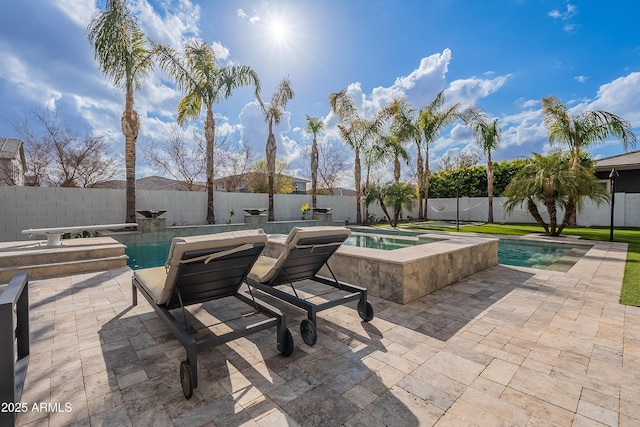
{"type": "Point", "coordinates": [403, 275]}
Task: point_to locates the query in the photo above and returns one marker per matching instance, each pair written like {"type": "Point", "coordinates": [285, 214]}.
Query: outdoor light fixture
{"type": "Point", "coordinates": [612, 176]}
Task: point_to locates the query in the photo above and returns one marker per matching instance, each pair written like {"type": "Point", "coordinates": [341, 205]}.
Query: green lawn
{"type": "Point", "coordinates": [630, 294]}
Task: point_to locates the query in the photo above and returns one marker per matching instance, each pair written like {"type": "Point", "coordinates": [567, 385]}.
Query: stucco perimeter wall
{"type": "Point", "coordinates": [22, 208]}
{"type": "Point", "coordinates": [41, 207]}
{"type": "Point", "coordinates": [626, 211]}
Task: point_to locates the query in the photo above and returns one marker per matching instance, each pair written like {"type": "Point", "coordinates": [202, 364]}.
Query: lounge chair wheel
{"type": "Point", "coordinates": [308, 332]}
{"type": "Point", "coordinates": [288, 343]}
{"type": "Point", "coordinates": [366, 312]}
{"type": "Point", "coordinates": [186, 377]}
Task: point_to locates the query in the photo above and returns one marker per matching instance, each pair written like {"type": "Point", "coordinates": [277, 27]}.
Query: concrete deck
{"type": "Point", "coordinates": [506, 346]}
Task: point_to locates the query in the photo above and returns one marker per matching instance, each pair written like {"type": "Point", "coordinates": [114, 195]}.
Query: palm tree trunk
{"type": "Point", "coordinates": [425, 185]}
{"type": "Point", "coordinates": [366, 191]}
{"type": "Point", "coordinates": [271, 167]}
{"type": "Point", "coordinates": [209, 135]}
{"type": "Point", "coordinates": [574, 163]}
{"type": "Point", "coordinates": [358, 176]}
{"type": "Point", "coordinates": [396, 170]}
{"type": "Point", "coordinates": [419, 190]}
{"type": "Point", "coordinates": [533, 210]}
{"type": "Point", "coordinates": [314, 171]}
{"type": "Point", "coordinates": [130, 124]}
{"type": "Point", "coordinates": [384, 209]}
{"type": "Point", "coordinates": [570, 211]}
{"type": "Point", "coordinates": [550, 203]}
{"type": "Point", "coordinates": [490, 187]}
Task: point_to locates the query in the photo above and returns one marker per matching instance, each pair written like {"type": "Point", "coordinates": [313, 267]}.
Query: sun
{"type": "Point", "coordinates": [279, 31]}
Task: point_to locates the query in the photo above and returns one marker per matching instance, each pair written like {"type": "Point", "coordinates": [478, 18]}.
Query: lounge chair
{"type": "Point", "coordinates": [201, 269]}
{"type": "Point", "coordinates": [14, 346]}
{"type": "Point", "coordinates": [306, 251]}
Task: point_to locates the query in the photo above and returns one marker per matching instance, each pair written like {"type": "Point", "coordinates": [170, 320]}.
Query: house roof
{"type": "Point", "coordinates": [225, 178]}
{"type": "Point", "coordinates": [629, 160]}
{"type": "Point", "coordinates": [149, 183]}
{"type": "Point", "coordinates": [12, 148]}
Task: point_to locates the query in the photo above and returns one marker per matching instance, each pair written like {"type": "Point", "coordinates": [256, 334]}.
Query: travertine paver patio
{"type": "Point", "coordinates": [507, 346]}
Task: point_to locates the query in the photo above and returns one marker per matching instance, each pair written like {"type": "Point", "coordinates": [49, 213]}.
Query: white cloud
{"type": "Point", "coordinates": [581, 79]}
{"type": "Point", "coordinates": [571, 11]}
{"type": "Point", "coordinates": [555, 13]}
{"type": "Point", "coordinates": [468, 91]}
{"type": "Point", "coordinates": [243, 15]}
{"type": "Point", "coordinates": [621, 97]}
{"type": "Point", "coordinates": [28, 80]}
{"type": "Point", "coordinates": [220, 50]}
{"type": "Point", "coordinates": [79, 11]}
{"type": "Point", "coordinates": [254, 132]}
{"type": "Point", "coordinates": [177, 25]}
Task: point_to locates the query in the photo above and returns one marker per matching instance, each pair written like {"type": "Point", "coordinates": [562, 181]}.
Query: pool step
{"type": "Point", "coordinates": [74, 256]}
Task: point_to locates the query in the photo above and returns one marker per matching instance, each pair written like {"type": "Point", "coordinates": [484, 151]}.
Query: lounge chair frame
{"type": "Point", "coordinates": [185, 293]}
{"type": "Point", "coordinates": [14, 343]}
{"type": "Point", "coordinates": [303, 262]}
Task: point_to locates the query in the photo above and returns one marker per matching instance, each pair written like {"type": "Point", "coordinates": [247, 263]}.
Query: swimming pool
{"type": "Point", "coordinates": [542, 255]}
{"type": "Point", "coordinates": [517, 252]}
{"type": "Point", "coordinates": [155, 255]}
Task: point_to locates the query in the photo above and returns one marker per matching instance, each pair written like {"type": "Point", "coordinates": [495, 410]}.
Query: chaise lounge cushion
{"type": "Point", "coordinates": [266, 267]}
{"type": "Point", "coordinates": [159, 281]}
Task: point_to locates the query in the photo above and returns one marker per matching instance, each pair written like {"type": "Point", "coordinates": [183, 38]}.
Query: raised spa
{"type": "Point", "coordinates": [427, 263]}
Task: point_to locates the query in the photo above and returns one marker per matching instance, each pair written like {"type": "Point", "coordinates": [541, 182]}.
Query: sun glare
{"type": "Point", "coordinates": [279, 31]}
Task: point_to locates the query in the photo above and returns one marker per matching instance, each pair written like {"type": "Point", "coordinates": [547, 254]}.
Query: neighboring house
{"type": "Point", "coordinates": [13, 164]}
{"type": "Point", "coordinates": [153, 183]}
{"type": "Point", "coordinates": [248, 182]}
{"type": "Point", "coordinates": [628, 167]}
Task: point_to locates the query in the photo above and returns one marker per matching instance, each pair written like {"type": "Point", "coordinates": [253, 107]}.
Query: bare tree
{"type": "Point", "coordinates": [234, 164]}
{"type": "Point", "coordinates": [59, 156]}
{"type": "Point", "coordinates": [92, 162]}
{"type": "Point", "coordinates": [333, 167]}
{"type": "Point", "coordinates": [7, 173]}
{"type": "Point", "coordinates": [460, 159]}
{"type": "Point", "coordinates": [179, 157]}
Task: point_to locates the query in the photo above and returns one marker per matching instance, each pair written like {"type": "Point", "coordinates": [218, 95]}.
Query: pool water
{"type": "Point", "coordinates": [146, 256]}
{"type": "Point", "coordinates": [384, 243]}
{"type": "Point", "coordinates": [542, 255]}
{"type": "Point", "coordinates": [517, 252]}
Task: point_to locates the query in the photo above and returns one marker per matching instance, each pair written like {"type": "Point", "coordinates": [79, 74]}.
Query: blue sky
{"type": "Point", "coordinates": [502, 55]}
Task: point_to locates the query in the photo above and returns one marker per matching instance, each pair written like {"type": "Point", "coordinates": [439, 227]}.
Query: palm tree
{"type": "Point", "coordinates": [398, 195]}
{"type": "Point", "coordinates": [549, 180]}
{"type": "Point", "coordinates": [355, 132]}
{"type": "Point", "coordinates": [197, 74]}
{"type": "Point", "coordinates": [119, 46]}
{"type": "Point", "coordinates": [579, 131]}
{"type": "Point", "coordinates": [374, 155]}
{"type": "Point", "coordinates": [272, 115]}
{"type": "Point", "coordinates": [314, 126]}
{"type": "Point", "coordinates": [372, 194]}
{"type": "Point", "coordinates": [395, 150]}
{"type": "Point", "coordinates": [488, 135]}
{"type": "Point", "coordinates": [432, 120]}
{"type": "Point", "coordinates": [405, 127]}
